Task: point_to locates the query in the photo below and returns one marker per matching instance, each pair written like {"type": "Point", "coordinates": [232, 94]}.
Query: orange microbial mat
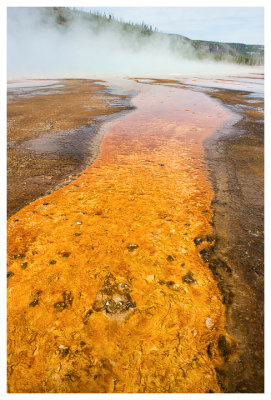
{"type": "Point", "coordinates": [109, 288]}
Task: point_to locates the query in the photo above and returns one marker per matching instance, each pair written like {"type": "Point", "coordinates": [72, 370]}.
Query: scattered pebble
{"type": "Point", "coordinates": [10, 274]}
{"type": "Point", "coordinates": [34, 303]}
{"type": "Point", "coordinates": [205, 255]}
{"type": "Point", "coordinates": [188, 278]}
{"type": "Point", "coordinates": [198, 240]}
{"type": "Point", "coordinates": [132, 247]}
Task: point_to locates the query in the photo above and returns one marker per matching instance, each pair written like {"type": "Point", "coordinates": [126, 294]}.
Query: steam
{"type": "Point", "coordinates": [38, 47]}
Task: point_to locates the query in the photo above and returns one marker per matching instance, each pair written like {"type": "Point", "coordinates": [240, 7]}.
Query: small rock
{"type": "Point", "coordinates": [86, 317]}
{"type": "Point", "coordinates": [79, 223]}
{"type": "Point", "coordinates": [209, 350]}
{"type": "Point", "coordinates": [10, 274]}
{"type": "Point", "coordinates": [170, 258]}
{"type": "Point", "coordinates": [45, 204]}
{"type": "Point", "coordinates": [77, 234]}
{"type": "Point", "coordinates": [66, 254]}
{"type": "Point", "coordinates": [205, 255]}
{"type": "Point", "coordinates": [188, 278]}
{"type": "Point", "coordinates": [198, 240]}
{"type": "Point", "coordinates": [24, 265]}
{"type": "Point", "coordinates": [34, 303]}
{"type": "Point", "coordinates": [132, 247]}
{"type": "Point", "coordinates": [63, 351]}
{"type": "Point", "coordinates": [52, 262]}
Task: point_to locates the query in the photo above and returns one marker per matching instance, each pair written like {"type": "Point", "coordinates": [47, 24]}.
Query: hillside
{"type": "Point", "coordinates": [233, 52]}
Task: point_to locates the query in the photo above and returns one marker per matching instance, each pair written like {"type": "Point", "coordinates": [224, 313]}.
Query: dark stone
{"type": "Point", "coordinates": [64, 352]}
{"type": "Point", "coordinates": [10, 274]}
{"type": "Point", "coordinates": [198, 240]}
{"type": "Point", "coordinates": [77, 234]}
{"type": "Point", "coordinates": [45, 204]}
{"type": "Point", "coordinates": [205, 255]}
{"type": "Point", "coordinates": [86, 317]}
{"type": "Point", "coordinates": [188, 278]}
{"type": "Point", "coordinates": [170, 283]}
{"type": "Point", "coordinates": [34, 303]}
{"type": "Point", "coordinates": [66, 254]}
{"type": "Point", "coordinates": [170, 258]}
{"type": "Point", "coordinates": [210, 238]}
{"type": "Point", "coordinates": [52, 262]}
{"type": "Point", "coordinates": [82, 343]}
{"type": "Point", "coordinates": [162, 165]}
{"type": "Point", "coordinates": [132, 247]}
{"type": "Point", "coordinates": [209, 350]}
{"type": "Point", "coordinates": [39, 292]}
{"type": "Point", "coordinates": [24, 265]}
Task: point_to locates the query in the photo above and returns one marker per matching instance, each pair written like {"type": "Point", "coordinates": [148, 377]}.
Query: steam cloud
{"type": "Point", "coordinates": [44, 49]}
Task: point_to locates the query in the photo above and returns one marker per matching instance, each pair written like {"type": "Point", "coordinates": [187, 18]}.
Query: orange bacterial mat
{"type": "Point", "coordinates": [107, 288]}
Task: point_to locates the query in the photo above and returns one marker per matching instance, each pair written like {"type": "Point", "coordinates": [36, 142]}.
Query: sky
{"type": "Point", "coordinates": [222, 24]}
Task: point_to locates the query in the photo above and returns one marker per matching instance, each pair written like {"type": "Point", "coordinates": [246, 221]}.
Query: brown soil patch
{"type": "Point", "coordinates": [53, 136]}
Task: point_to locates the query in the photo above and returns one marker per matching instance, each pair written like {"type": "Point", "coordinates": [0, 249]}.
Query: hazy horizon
{"type": "Point", "coordinates": [36, 48]}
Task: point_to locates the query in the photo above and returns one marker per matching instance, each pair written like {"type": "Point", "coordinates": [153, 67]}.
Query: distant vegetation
{"type": "Point", "coordinates": [231, 52]}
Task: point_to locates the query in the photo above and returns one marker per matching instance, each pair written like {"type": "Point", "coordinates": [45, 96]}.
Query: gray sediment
{"type": "Point", "coordinates": [236, 159]}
